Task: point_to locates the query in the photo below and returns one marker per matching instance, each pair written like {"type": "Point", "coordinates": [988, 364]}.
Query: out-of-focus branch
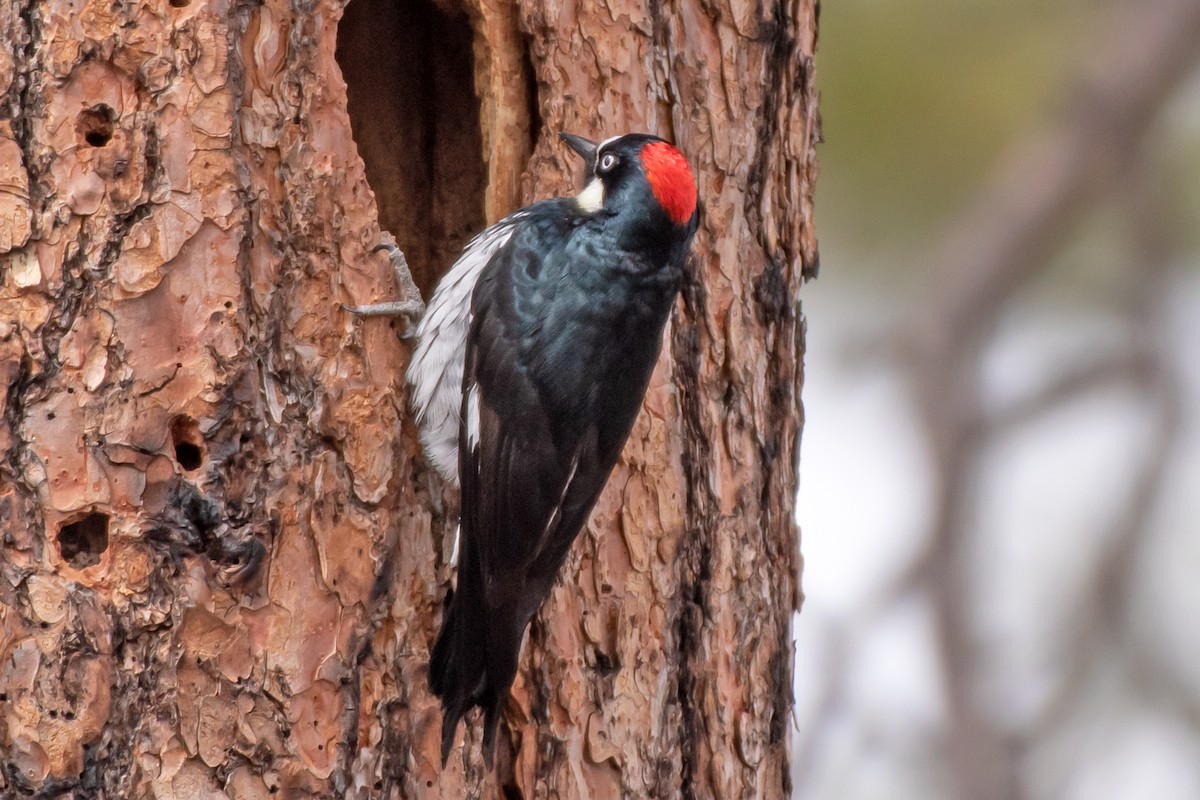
{"type": "Point", "coordinates": [1102, 621]}
{"type": "Point", "coordinates": [1018, 220]}
{"type": "Point", "coordinates": [1103, 618]}
{"type": "Point", "coordinates": [1127, 367]}
{"type": "Point", "coordinates": [1004, 239]}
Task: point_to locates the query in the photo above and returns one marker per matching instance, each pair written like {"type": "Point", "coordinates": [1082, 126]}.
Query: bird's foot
{"type": "Point", "coordinates": [411, 309]}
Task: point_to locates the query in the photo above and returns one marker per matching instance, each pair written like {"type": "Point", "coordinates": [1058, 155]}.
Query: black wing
{"type": "Point", "coordinates": [534, 456]}
{"type": "Point", "coordinates": [562, 343]}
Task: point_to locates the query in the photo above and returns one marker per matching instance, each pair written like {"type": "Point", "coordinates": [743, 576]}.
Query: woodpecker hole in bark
{"type": "Point", "coordinates": [188, 443]}
{"type": "Point", "coordinates": [410, 84]}
{"type": "Point", "coordinates": [82, 542]}
{"type": "Point", "coordinates": [95, 125]}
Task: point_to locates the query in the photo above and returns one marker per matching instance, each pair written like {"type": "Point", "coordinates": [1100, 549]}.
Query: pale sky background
{"type": "Point", "coordinates": [918, 100]}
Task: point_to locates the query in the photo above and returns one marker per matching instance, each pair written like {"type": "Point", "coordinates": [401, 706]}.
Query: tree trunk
{"type": "Point", "coordinates": [224, 558]}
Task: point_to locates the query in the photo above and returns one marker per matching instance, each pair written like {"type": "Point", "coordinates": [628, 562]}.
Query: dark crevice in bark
{"type": "Point", "coordinates": [397, 741]}
{"type": "Point", "coordinates": [687, 639]}
{"type": "Point", "coordinates": [138, 654]}
{"type": "Point", "coordinates": [771, 295]}
{"type": "Point", "coordinates": [695, 553]}
{"type": "Point", "coordinates": [410, 76]}
{"type": "Point", "coordinates": [12, 467]}
{"type": "Point", "coordinates": [68, 302]}
{"type": "Point", "coordinates": [539, 700]}
{"type": "Point", "coordinates": [777, 310]}
{"type": "Point", "coordinates": [534, 109]}
{"type": "Point", "coordinates": [21, 107]}
{"type": "Point", "coordinates": [50, 789]}
{"type": "Point", "coordinates": [93, 771]}
{"type": "Point", "coordinates": [123, 223]}
{"type": "Point", "coordinates": [782, 44]}
{"type": "Point", "coordinates": [239, 445]}
{"type": "Point", "coordinates": [787, 84]}
{"type": "Point", "coordinates": [781, 693]}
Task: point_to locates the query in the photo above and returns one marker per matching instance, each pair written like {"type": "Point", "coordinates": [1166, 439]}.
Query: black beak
{"type": "Point", "coordinates": [586, 148]}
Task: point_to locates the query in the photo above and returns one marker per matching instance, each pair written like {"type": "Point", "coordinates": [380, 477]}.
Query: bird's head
{"type": "Point", "coordinates": [637, 173]}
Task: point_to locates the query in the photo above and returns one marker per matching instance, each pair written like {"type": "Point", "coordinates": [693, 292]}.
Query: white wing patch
{"type": "Point", "coordinates": [556, 514]}
{"type": "Point", "coordinates": [473, 417]}
{"type": "Point", "coordinates": [436, 370]}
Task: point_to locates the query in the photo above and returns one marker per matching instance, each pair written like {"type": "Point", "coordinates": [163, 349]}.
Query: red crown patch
{"type": "Point", "coordinates": [671, 180]}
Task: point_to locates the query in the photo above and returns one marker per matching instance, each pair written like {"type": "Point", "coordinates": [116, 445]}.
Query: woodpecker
{"type": "Point", "coordinates": [530, 367]}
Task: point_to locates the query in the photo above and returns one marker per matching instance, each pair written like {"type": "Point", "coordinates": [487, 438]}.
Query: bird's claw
{"type": "Point", "coordinates": [411, 309]}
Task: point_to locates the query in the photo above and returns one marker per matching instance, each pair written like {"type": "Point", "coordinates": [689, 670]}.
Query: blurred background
{"type": "Point", "coordinates": [1000, 470]}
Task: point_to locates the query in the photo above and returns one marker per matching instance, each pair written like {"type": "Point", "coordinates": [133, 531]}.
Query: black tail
{"type": "Point", "coordinates": [456, 668]}
{"type": "Point", "coordinates": [474, 660]}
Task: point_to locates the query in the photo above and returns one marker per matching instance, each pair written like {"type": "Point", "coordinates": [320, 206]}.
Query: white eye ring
{"type": "Point", "coordinates": [607, 162]}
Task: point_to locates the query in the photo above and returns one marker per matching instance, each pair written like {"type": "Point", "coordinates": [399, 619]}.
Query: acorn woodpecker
{"type": "Point", "coordinates": [531, 364]}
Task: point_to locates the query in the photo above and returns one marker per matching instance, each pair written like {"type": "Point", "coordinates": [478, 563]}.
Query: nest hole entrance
{"type": "Point", "coordinates": [82, 542]}
{"type": "Point", "coordinates": [410, 81]}
{"type": "Point", "coordinates": [188, 443]}
{"type": "Point", "coordinates": [95, 125]}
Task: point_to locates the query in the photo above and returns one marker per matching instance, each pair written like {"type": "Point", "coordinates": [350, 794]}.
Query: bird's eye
{"type": "Point", "coordinates": [607, 162]}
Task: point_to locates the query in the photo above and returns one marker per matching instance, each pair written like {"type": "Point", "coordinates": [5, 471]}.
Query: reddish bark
{"type": "Point", "coordinates": [223, 555]}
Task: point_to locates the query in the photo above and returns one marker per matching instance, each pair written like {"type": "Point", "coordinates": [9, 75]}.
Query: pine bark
{"type": "Point", "coordinates": [224, 558]}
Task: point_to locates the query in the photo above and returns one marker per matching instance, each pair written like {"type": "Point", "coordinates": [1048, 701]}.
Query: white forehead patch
{"type": "Point", "coordinates": [591, 199]}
